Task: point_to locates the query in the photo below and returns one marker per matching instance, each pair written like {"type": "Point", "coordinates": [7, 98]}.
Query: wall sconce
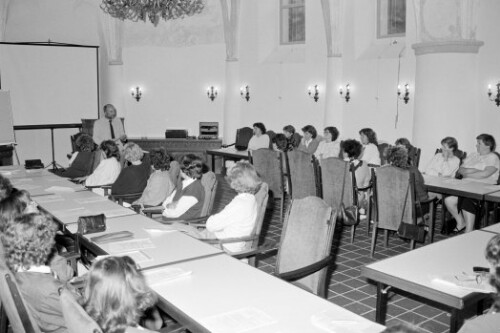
{"type": "Point", "coordinates": [347, 92]}
{"type": "Point", "coordinates": [313, 92]}
{"type": "Point", "coordinates": [212, 93]}
{"type": "Point", "coordinates": [136, 93]}
{"type": "Point", "coordinates": [497, 96]}
{"type": "Point", "coordinates": [245, 92]}
{"type": "Point", "coordinates": [406, 94]}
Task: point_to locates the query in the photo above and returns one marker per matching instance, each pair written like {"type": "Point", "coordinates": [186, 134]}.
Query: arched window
{"type": "Point", "coordinates": [292, 22]}
{"type": "Point", "coordinates": [391, 18]}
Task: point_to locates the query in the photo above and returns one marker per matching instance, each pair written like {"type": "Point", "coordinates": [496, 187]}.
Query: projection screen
{"type": "Point", "coordinates": [50, 83]}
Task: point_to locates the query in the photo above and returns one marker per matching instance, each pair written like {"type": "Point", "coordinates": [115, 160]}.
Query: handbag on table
{"type": "Point", "coordinates": [91, 224]}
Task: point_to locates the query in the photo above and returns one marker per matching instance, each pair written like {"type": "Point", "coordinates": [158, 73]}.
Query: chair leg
{"type": "Point", "coordinates": [4, 321]}
{"type": "Point", "coordinates": [369, 215]}
{"type": "Point", "coordinates": [282, 207]}
{"type": "Point", "coordinates": [386, 238]}
{"type": "Point", "coordinates": [433, 220]}
{"type": "Point", "coordinates": [412, 244]}
{"type": "Point", "coordinates": [374, 238]}
{"type": "Point", "coordinates": [353, 229]}
{"type": "Point", "coordinates": [443, 215]}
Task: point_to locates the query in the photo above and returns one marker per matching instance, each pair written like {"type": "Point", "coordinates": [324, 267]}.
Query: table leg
{"type": "Point", "coordinates": [456, 320]}
{"type": "Point", "coordinates": [213, 163]}
{"type": "Point", "coordinates": [484, 220]}
{"type": "Point", "coordinates": [381, 304]}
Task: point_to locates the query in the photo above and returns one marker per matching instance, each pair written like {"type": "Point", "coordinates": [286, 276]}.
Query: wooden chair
{"type": "Point", "coordinates": [392, 185]}
{"type": "Point", "coordinates": [13, 305]}
{"type": "Point", "coordinates": [252, 240]}
{"type": "Point", "coordinates": [209, 182]}
{"type": "Point", "coordinates": [302, 180]}
{"type": "Point", "coordinates": [306, 240]}
{"type": "Point", "coordinates": [334, 172]}
{"type": "Point", "coordinates": [269, 166]}
{"type": "Point", "coordinates": [382, 147]}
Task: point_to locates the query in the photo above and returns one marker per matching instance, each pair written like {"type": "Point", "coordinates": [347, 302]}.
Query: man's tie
{"type": "Point", "coordinates": [111, 128]}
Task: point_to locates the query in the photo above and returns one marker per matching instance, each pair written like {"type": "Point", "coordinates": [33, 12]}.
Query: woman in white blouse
{"type": "Point", "coordinates": [444, 164]}
{"type": "Point", "coordinates": [329, 147]}
{"type": "Point", "coordinates": [108, 170]}
{"type": "Point", "coordinates": [370, 154]}
{"type": "Point", "coordinates": [259, 139]}
{"type": "Point", "coordinates": [238, 218]}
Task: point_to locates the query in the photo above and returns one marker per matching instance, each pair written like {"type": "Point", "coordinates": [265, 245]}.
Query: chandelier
{"type": "Point", "coordinates": [135, 10]}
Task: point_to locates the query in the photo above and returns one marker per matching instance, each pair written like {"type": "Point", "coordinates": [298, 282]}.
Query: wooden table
{"type": "Point", "coordinates": [170, 247]}
{"type": "Point", "coordinates": [494, 228]}
{"type": "Point", "coordinates": [220, 290]}
{"type": "Point", "coordinates": [229, 153]}
{"type": "Point", "coordinates": [415, 271]}
{"type": "Point", "coordinates": [38, 184]}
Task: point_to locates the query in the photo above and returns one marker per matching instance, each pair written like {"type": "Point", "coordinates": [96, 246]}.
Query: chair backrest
{"type": "Point", "coordinates": [88, 126]}
{"type": "Point", "coordinates": [392, 186]}
{"type": "Point", "coordinates": [174, 172]}
{"type": "Point", "coordinates": [243, 136]}
{"type": "Point", "coordinates": [416, 157]}
{"type": "Point", "coordinates": [333, 173]}
{"type": "Point", "coordinates": [261, 197]}
{"type": "Point", "coordinates": [269, 166]}
{"type": "Point", "coordinates": [306, 238]}
{"type": "Point", "coordinates": [301, 174]}
{"type": "Point", "coordinates": [209, 182]}
{"type": "Point", "coordinates": [271, 135]}
{"type": "Point", "coordinates": [77, 320]}
{"type": "Point", "coordinates": [14, 305]}
{"type": "Point", "coordinates": [382, 148]}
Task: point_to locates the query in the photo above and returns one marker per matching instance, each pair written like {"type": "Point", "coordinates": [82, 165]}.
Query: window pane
{"type": "Point", "coordinates": [391, 18]}
{"type": "Point", "coordinates": [293, 21]}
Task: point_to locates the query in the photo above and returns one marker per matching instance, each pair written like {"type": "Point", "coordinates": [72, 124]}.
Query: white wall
{"type": "Point", "coordinates": [175, 62]}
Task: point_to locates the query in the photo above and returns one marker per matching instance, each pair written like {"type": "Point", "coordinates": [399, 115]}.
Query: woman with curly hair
{"type": "Point", "coordinates": [132, 178]}
{"type": "Point", "coordinates": [80, 163]}
{"type": "Point", "coordinates": [5, 187]}
{"type": "Point", "coordinates": [117, 295]}
{"type": "Point", "coordinates": [159, 185]}
{"type": "Point", "coordinates": [28, 242]}
{"type": "Point", "coordinates": [368, 138]}
{"type": "Point", "coordinates": [108, 169]}
{"type": "Point", "coordinates": [490, 322]}
{"type": "Point", "coordinates": [238, 218]}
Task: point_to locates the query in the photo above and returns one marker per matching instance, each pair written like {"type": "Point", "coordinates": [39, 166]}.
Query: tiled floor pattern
{"type": "Point", "coordinates": [346, 287]}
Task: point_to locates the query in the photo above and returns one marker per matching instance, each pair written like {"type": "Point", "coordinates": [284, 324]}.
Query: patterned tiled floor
{"type": "Point", "coordinates": [346, 287]}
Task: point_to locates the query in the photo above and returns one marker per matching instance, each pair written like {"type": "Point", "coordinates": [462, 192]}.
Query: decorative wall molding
{"type": "Point", "coordinates": [333, 18]}
{"type": "Point", "coordinates": [231, 18]}
{"type": "Point", "coordinates": [458, 46]}
{"type": "Point", "coordinates": [4, 8]}
{"type": "Point", "coordinates": [112, 32]}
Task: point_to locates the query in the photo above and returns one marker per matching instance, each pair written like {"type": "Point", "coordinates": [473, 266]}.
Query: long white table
{"type": "Point", "coordinates": [416, 272]}
{"type": "Point", "coordinates": [168, 247]}
{"type": "Point", "coordinates": [223, 295]}
{"type": "Point", "coordinates": [45, 184]}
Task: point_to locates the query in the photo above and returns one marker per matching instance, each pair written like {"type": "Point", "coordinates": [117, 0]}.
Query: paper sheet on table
{"type": "Point", "coordinates": [138, 256]}
{"type": "Point", "coordinates": [241, 320]}
{"type": "Point", "coordinates": [165, 275]}
{"type": "Point", "coordinates": [130, 245]}
{"type": "Point", "coordinates": [159, 229]}
{"type": "Point", "coordinates": [93, 199]}
{"type": "Point", "coordinates": [473, 282]}
{"type": "Point", "coordinates": [333, 322]}
{"type": "Point", "coordinates": [59, 189]}
{"type": "Point", "coordinates": [49, 198]}
{"type": "Point", "coordinates": [118, 212]}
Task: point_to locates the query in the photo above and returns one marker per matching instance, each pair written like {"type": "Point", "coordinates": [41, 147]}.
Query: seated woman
{"type": "Point", "coordinates": [18, 204]}
{"type": "Point", "coordinates": [159, 185]}
{"type": "Point", "coordinates": [490, 322]}
{"type": "Point", "coordinates": [108, 170]}
{"type": "Point", "coordinates": [444, 164]}
{"type": "Point", "coordinates": [352, 151]}
{"type": "Point", "coordinates": [293, 138]}
{"type": "Point", "coordinates": [238, 218]}
{"type": "Point", "coordinates": [5, 187]}
{"type": "Point", "coordinates": [134, 177]}
{"type": "Point", "coordinates": [259, 139]}
{"type": "Point", "coordinates": [412, 151]}
{"type": "Point", "coordinates": [80, 164]}
{"type": "Point", "coordinates": [280, 143]}
{"type": "Point", "coordinates": [329, 147]}
{"type": "Point", "coordinates": [309, 143]}
{"type": "Point", "coordinates": [371, 154]}
{"type": "Point", "coordinates": [117, 295]}
{"type": "Point", "coordinates": [482, 166]}
{"type": "Point", "coordinates": [28, 241]}
{"type": "Point", "coordinates": [187, 200]}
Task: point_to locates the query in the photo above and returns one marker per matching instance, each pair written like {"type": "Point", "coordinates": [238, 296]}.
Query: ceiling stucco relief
{"type": "Point", "coordinates": [203, 28]}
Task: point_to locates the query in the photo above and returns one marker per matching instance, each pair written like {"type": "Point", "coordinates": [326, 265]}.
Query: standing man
{"type": "Point", "coordinates": [110, 127]}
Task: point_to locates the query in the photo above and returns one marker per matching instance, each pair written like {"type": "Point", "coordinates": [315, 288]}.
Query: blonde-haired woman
{"type": "Point", "coordinates": [117, 295]}
{"type": "Point", "coordinates": [238, 218]}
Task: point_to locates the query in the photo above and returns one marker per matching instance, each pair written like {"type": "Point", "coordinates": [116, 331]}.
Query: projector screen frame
{"type": "Point", "coordinates": [57, 44]}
